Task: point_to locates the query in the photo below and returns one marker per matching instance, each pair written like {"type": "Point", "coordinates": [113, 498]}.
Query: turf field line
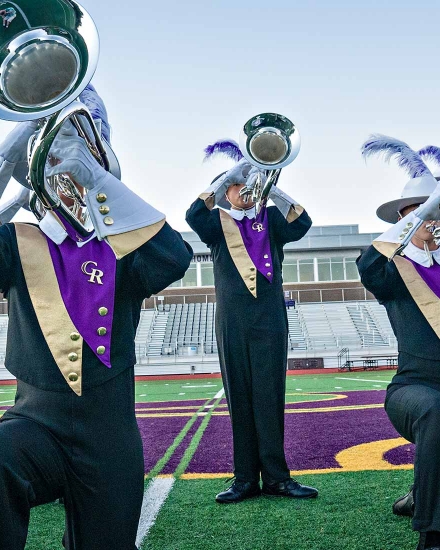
{"type": "Point", "coordinates": [161, 463]}
{"type": "Point", "coordinates": [192, 447]}
{"type": "Point", "coordinates": [221, 393]}
{"type": "Point", "coordinates": [10, 401]}
{"type": "Point", "coordinates": [363, 380]}
{"type": "Point", "coordinates": [154, 498]}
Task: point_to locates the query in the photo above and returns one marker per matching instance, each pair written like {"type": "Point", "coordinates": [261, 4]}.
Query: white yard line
{"type": "Point", "coordinates": [221, 393]}
{"type": "Point", "coordinates": [154, 498]}
{"type": "Point", "coordinates": [363, 380]}
{"type": "Point", "coordinates": [202, 386]}
{"type": "Point", "coordinates": [11, 401]}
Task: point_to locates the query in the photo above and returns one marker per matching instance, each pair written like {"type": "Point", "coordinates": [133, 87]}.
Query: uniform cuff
{"type": "Point", "coordinates": [115, 209]}
{"type": "Point", "coordinates": [284, 203]}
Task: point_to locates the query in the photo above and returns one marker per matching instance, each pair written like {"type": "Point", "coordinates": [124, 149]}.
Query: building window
{"type": "Point", "coordinates": [324, 273]}
{"type": "Point", "coordinates": [337, 269]}
{"type": "Point", "coordinates": [306, 271]}
{"type": "Point", "coordinates": [290, 271]}
{"type": "Point", "coordinates": [207, 274]}
{"type": "Point", "coordinates": [351, 270]}
{"type": "Point", "coordinates": [189, 279]}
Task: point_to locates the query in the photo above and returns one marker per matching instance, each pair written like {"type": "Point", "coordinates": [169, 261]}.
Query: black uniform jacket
{"type": "Point", "coordinates": [232, 283]}
{"type": "Point", "coordinates": [413, 309]}
{"type": "Point", "coordinates": [145, 271]}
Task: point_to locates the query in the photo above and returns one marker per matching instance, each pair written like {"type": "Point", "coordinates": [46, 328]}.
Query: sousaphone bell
{"type": "Point", "coordinates": [269, 141]}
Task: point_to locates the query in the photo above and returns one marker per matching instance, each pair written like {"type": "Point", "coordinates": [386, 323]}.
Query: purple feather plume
{"type": "Point", "coordinates": [431, 152]}
{"type": "Point", "coordinates": [226, 147]}
{"type": "Point", "coordinates": [96, 106]}
{"type": "Point", "coordinates": [389, 147]}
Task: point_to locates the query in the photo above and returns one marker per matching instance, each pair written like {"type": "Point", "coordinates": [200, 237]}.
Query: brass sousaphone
{"type": "Point", "coordinates": [49, 51]}
{"type": "Point", "coordinates": [269, 141]}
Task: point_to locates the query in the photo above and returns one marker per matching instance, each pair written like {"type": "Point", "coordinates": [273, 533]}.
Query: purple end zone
{"type": "Point", "coordinates": [177, 456]}
{"type": "Point", "coordinates": [157, 435]}
{"type": "Point", "coordinates": [312, 439]}
{"type": "Point", "coordinates": [401, 455]}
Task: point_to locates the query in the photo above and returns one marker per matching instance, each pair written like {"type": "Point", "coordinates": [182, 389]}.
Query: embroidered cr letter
{"type": "Point", "coordinates": [257, 227]}
{"type": "Point", "coordinates": [95, 274]}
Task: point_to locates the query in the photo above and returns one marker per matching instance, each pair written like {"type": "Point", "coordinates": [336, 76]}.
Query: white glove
{"type": "Point", "coordinates": [14, 147]}
{"type": "Point", "coordinates": [252, 177]}
{"type": "Point", "coordinates": [430, 209]}
{"type": "Point", "coordinates": [238, 173]}
{"type": "Point", "coordinates": [75, 160]}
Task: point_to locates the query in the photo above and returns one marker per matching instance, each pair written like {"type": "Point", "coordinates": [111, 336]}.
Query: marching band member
{"type": "Point", "coordinates": [408, 285]}
{"type": "Point", "coordinates": [74, 305]}
{"type": "Point", "coordinates": [251, 321]}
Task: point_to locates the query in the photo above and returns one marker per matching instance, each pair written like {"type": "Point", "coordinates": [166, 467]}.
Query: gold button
{"type": "Point", "coordinates": [252, 268]}
{"type": "Point", "coordinates": [252, 278]}
{"type": "Point", "coordinates": [75, 336]}
{"type": "Point", "coordinates": [266, 256]}
{"type": "Point", "coordinates": [104, 210]}
{"type": "Point", "coordinates": [402, 236]}
{"type": "Point", "coordinates": [102, 311]}
{"type": "Point", "coordinates": [102, 331]}
{"type": "Point", "coordinates": [269, 273]}
{"type": "Point", "coordinates": [100, 350]}
{"type": "Point", "coordinates": [73, 377]}
{"type": "Point", "coordinates": [109, 221]}
{"type": "Point", "coordinates": [405, 231]}
{"type": "Point", "coordinates": [267, 265]}
{"type": "Point", "coordinates": [251, 288]}
{"type": "Point", "coordinates": [73, 356]}
{"type": "Point", "coordinates": [101, 197]}
{"type": "Point", "coordinates": [409, 224]}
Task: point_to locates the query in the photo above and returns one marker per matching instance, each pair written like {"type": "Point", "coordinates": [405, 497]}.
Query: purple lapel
{"type": "Point", "coordinates": [255, 235]}
{"type": "Point", "coordinates": [87, 277]}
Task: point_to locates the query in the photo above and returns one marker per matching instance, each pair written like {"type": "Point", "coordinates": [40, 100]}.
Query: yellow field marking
{"type": "Point", "coordinates": [287, 411]}
{"type": "Point", "coordinates": [329, 397]}
{"type": "Point", "coordinates": [360, 458]}
{"type": "Point", "coordinates": [370, 456]}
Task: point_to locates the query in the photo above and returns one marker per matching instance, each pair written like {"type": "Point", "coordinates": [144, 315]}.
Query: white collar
{"type": "Point", "coordinates": [52, 228]}
{"type": "Point", "coordinates": [240, 214]}
{"type": "Point", "coordinates": [419, 256]}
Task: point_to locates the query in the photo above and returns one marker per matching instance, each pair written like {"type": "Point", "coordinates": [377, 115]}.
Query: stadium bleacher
{"type": "Point", "coordinates": [189, 329]}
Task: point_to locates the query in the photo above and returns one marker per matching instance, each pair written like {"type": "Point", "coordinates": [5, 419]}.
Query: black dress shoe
{"type": "Point", "coordinates": [289, 488]}
{"type": "Point", "coordinates": [238, 491]}
{"type": "Point", "coordinates": [404, 506]}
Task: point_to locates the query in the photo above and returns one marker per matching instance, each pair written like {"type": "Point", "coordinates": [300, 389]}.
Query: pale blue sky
{"type": "Point", "coordinates": [176, 76]}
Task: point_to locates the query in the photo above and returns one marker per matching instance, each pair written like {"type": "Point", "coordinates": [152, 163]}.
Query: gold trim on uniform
{"type": "Point", "coordinates": [426, 300]}
{"type": "Point", "coordinates": [239, 254]}
{"type": "Point", "coordinates": [294, 213]}
{"type": "Point", "coordinates": [208, 199]}
{"type": "Point", "coordinates": [127, 242]}
{"type": "Point", "coordinates": [52, 315]}
{"type": "Point", "coordinates": [385, 248]}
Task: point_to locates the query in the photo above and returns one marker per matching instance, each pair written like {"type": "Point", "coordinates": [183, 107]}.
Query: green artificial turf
{"type": "Point", "coordinates": [353, 512]}
{"type": "Point", "coordinates": [46, 528]}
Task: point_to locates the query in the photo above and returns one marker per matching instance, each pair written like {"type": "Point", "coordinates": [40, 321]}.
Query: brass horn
{"type": "Point", "coordinates": [49, 51]}
{"type": "Point", "coordinates": [269, 141]}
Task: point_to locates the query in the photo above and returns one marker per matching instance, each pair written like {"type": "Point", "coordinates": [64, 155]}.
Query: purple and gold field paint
{"type": "Point", "coordinates": [336, 432]}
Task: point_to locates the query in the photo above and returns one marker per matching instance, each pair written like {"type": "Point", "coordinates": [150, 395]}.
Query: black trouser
{"type": "Point", "coordinates": [414, 411]}
{"type": "Point", "coordinates": [86, 449]}
{"type": "Point", "coordinates": [253, 361]}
